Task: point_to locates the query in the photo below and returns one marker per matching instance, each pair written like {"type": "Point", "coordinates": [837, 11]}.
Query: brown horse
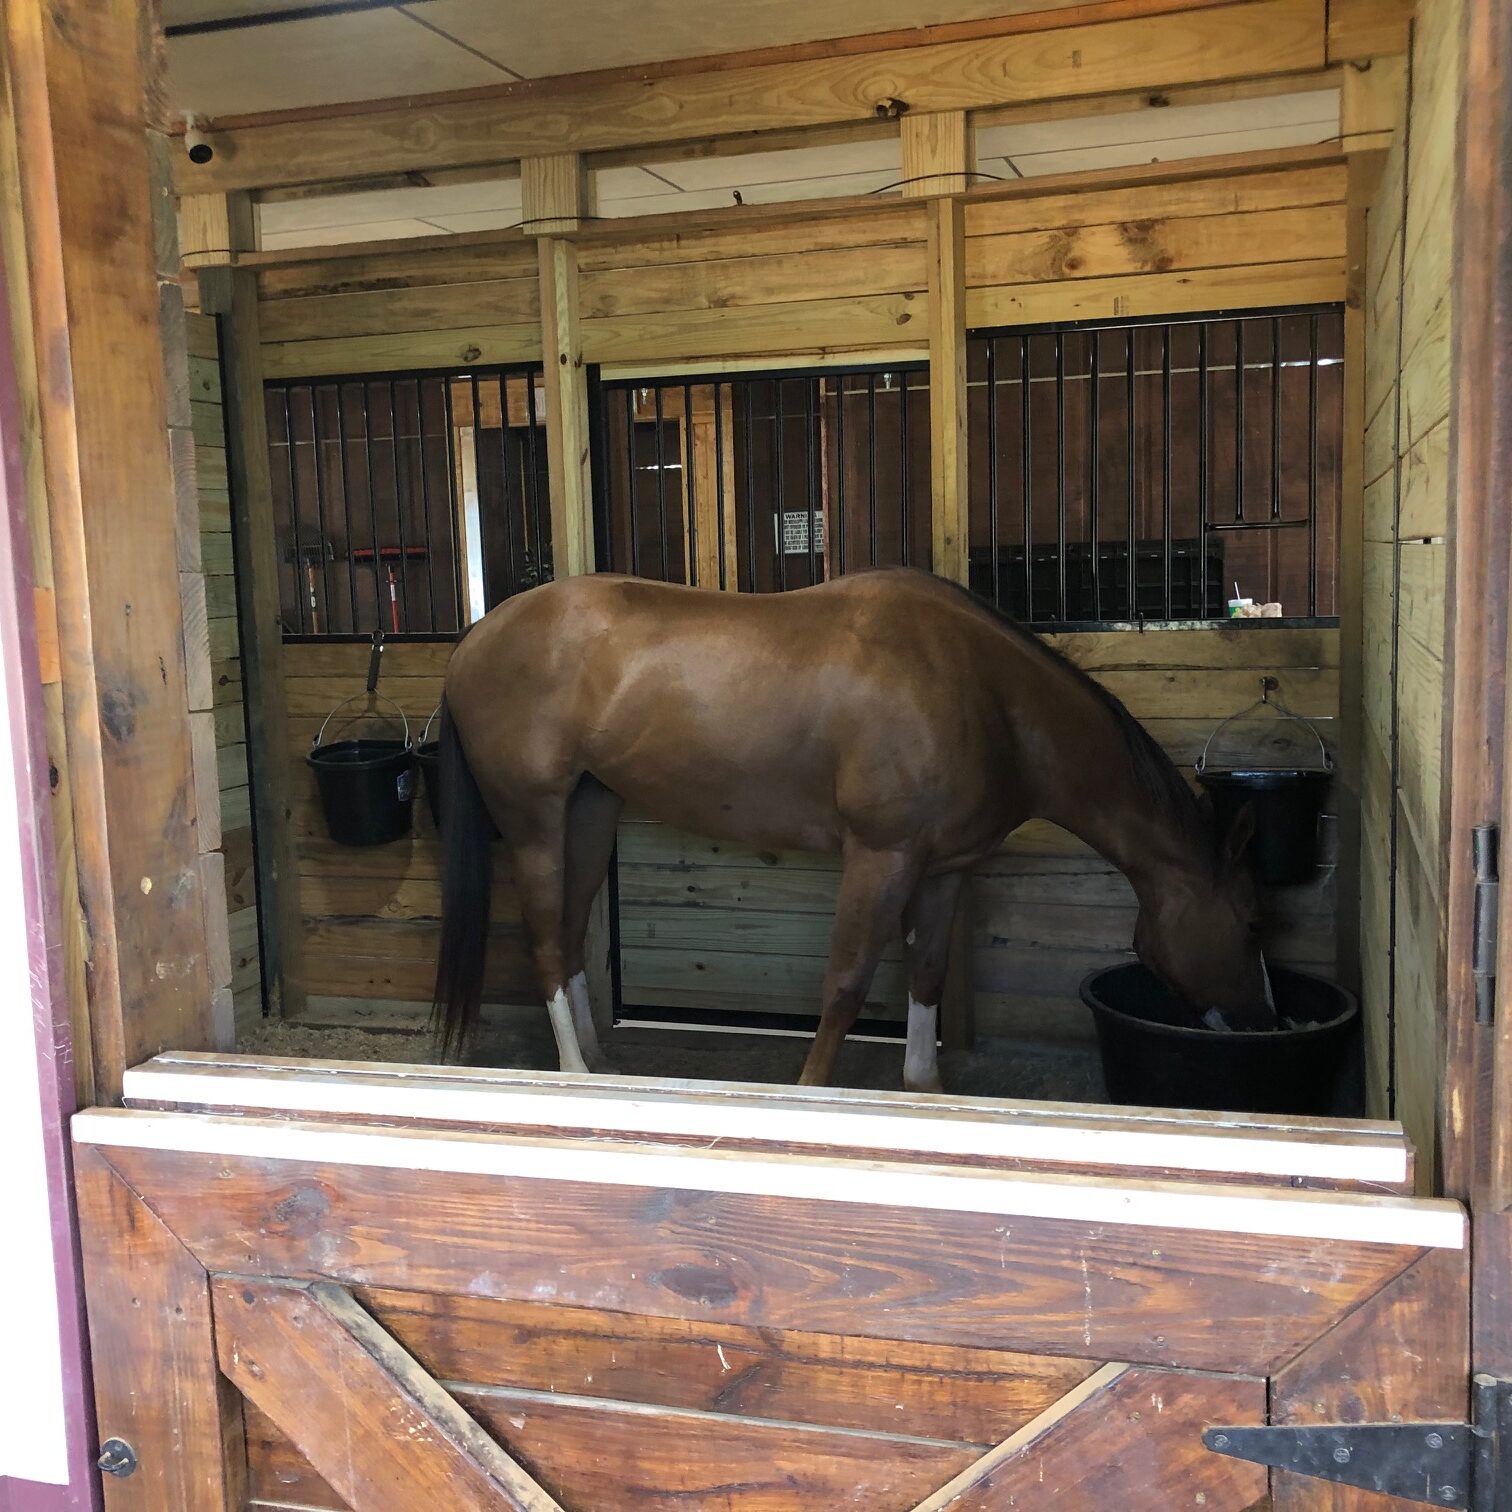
{"type": "Point", "coordinates": [887, 716]}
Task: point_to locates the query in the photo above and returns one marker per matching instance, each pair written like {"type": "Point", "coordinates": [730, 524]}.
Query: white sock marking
{"type": "Point", "coordinates": [921, 1069]}
{"type": "Point", "coordinates": [569, 1052]}
{"type": "Point", "coordinates": [582, 1015]}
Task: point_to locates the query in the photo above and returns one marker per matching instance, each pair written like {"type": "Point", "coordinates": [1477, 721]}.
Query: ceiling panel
{"type": "Point", "coordinates": [498, 195]}
{"type": "Point", "coordinates": [748, 169]}
{"type": "Point", "coordinates": [1126, 154]}
{"type": "Point", "coordinates": [195, 12]}
{"type": "Point", "coordinates": [331, 236]}
{"type": "Point", "coordinates": [665, 200]}
{"type": "Point", "coordinates": [358, 56]}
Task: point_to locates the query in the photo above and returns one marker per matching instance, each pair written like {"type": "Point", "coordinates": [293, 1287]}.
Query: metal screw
{"type": "Point", "coordinates": [117, 1457]}
{"type": "Point", "coordinates": [1220, 1441]}
{"type": "Point", "coordinates": [1341, 1455]}
{"type": "Point", "coordinates": [1448, 1494]}
{"type": "Point", "coordinates": [1435, 1440]}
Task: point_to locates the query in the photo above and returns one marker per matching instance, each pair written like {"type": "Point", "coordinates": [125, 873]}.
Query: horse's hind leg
{"type": "Point", "coordinates": [592, 822]}
{"type": "Point", "coordinates": [874, 886]}
{"type": "Point", "coordinates": [538, 841]}
{"type": "Point", "coordinates": [927, 924]}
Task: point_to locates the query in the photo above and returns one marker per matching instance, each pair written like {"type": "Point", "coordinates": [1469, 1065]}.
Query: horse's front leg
{"type": "Point", "coordinates": [927, 922]}
{"type": "Point", "coordinates": [874, 886]}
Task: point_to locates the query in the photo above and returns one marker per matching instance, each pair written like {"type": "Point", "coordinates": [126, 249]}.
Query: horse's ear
{"type": "Point", "coordinates": [1240, 833]}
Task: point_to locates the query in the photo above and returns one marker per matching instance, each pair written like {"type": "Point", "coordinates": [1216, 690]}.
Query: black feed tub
{"type": "Point", "coordinates": [366, 785]}
{"type": "Point", "coordinates": [1153, 1058]}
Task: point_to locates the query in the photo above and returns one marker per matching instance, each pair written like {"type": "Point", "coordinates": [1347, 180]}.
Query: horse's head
{"type": "Point", "coordinates": [1200, 934]}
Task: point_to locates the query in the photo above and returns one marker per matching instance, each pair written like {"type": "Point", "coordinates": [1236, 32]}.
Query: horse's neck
{"type": "Point", "coordinates": [1095, 793]}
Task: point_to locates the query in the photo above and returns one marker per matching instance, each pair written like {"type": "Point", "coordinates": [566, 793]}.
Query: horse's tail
{"type": "Point", "coordinates": [466, 893]}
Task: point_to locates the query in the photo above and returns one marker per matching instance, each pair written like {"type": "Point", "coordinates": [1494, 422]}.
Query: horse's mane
{"type": "Point", "coordinates": [1167, 790]}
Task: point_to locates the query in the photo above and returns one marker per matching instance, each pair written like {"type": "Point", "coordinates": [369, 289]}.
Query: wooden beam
{"type": "Point", "coordinates": [566, 411]}
{"type": "Point", "coordinates": [80, 88]}
{"type": "Point", "coordinates": [390, 1435]}
{"type": "Point", "coordinates": [938, 156]}
{"type": "Point", "coordinates": [1373, 103]}
{"type": "Point", "coordinates": [213, 227]}
{"type": "Point", "coordinates": [1362, 29]}
{"type": "Point", "coordinates": [231, 294]}
{"type": "Point", "coordinates": [947, 388]}
{"type": "Point", "coordinates": [1157, 51]}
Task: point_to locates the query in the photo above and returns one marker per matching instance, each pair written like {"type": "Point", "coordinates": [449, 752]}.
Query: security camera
{"type": "Point", "coordinates": [198, 145]}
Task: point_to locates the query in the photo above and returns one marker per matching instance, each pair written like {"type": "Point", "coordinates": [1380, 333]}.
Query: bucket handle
{"type": "Point", "coordinates": [1265, 701]}
{"type": "Point", "coordinates": [378, 697]}
{"type": "Point", "coordinates": [425, 733]}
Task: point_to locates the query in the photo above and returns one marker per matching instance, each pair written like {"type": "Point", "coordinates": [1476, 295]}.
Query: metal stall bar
{"type": "Point", "coordinates": [905, 523]}
{"type": "Point", "coordinates": [690, 500]}
{"type": "Point", "coordinates": [510, 509]}
{"type": "Point", "coordinates": [1275, 501]}
{"type": "Point", "coordinates": [299, 588]}
{"type": "Point", "coordinates": [402, 575]}
{"type": "Point", "coordinates": [871, 466]}
{"type": "Point", "coordinates": [346, 497]}
{"type": "Point", "coordinates": [1094, 458]}
{"type": "Point", "coordinates": [1239, 420]}
{"type": "Point", "coordinates": [1132, 564]}
{"type": "Point", "coordinates": [750, 481]}
{"type": "Point", "coordinates": [1203, 501]}
{"type": "Point", "coordinates": [320, 512]}
{"type": "Point", "coordinates": [810, 478]}
{"type": "Point", "coordinates": [840, 475]}
{"type": "Point", "coordinates": [459, 567]}
{"type": "Point", "coordinates": [632, 512]}
{"type": "Point", "coordinates": [719, 446]}
{"type": "Point", "coordinates": [1312, 465]}
{"type": "Point", "coordinates": [779, 528]}
{"type": "Point", "coordinates": [367, 445]}
{"type": "Point", "coordinates": [1026, 463]}
{"type": "Point", "coordinates": [992, 466]}
{"type": "Point", "coordinates": [661, 489]}
{"type": "Point", "coordinates": [531, 500]}
{"type": "Point", "coordinates": [1060, 471]}
{"type": "Point", "coordinates": [1165, 471]}
{"type": "Point", "coordinates": [425, 507]}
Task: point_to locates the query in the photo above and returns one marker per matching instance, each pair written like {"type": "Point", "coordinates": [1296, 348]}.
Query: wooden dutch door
{"type": "Point", "coordinates": [387, 1288]}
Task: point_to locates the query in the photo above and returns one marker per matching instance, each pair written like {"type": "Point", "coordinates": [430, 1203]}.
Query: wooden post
{"type": "Point", "coordinates": [212, 228]}
{"type": "Point", "coordinates": [80, 76]}
{"type": "Point", "coordinates": [947, 388]}
{"type": "Point", "coordinates": [938, 152]}
{"type": "Point", "coordinates": [231, 294]}
{"type": "Point", "coordinates": [555, 197]}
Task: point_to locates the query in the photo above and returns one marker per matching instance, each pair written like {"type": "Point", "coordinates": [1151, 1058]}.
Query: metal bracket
{"type": "Point", "coordinates": [1486, 929]}
{"type": "Point", "coordinates": [375, 658]}
{"type": "Point", "coordinates": [117, 1457]}
{"type": "Point", "coordinates": [1438, 1464]}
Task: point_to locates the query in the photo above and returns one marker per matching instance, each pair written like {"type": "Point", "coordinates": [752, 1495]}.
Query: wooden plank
{"type": "Point", "coordinates": [79, 91]}
{"type": "Point", "coordinates": [950, 489]}
{"type": "Point", "coordinates": [395, 267]}
{"type": "Point", "coordinates": [498, 344]}
{"type": "Point", "coordinates": [1319, 281]}
{"type": "Point", "coordinates": [1098, 1285]}
{"type": "Point", "coordinates": [393, 312]}
{"type": "Point", "coordinates": [1076, 1450]}
{"type": "Point", "coordinates": [732, 282]}
{"type": "Point", "coordinates": [233, 296]}
{"type": "Point", "coordinates": [816, 325]}
{"type": "Point", "coordinates": [563, 345]}
{"type": "Point", "coordinates": [390, 1431]}
{"type": "Point", "coordinates": [554, 193]}
{"type": "Point", "coordinates": [1152, 245]}
{"type": "Point", "coordinates": [1359, 30]}
{"type": "Point", "coordinates": [150, 1335]}
{"type": "Point", "coordinates": [1403, 1356]}
{"type": "Point", "coordinates": [938, 153]}
{"type": "Point", "coordinates": [1154, 52]}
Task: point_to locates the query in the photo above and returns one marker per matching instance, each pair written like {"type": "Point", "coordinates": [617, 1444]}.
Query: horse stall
{"type": "Point", "coordinates": [1172, 331]}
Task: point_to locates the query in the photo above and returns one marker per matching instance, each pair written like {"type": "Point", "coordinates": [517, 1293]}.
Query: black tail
{"type": "Point", "coordinates": [466, 893]}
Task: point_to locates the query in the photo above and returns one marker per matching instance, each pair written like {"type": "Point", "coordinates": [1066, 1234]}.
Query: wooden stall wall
{"type": "Point", "coordinates": [224, 637]}
{"type": "Point", "coordinates": [1407, 448]}
{"type": "Point", "coordinates": [703, 924]}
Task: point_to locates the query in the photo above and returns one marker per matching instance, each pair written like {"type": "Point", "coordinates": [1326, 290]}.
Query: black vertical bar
{"type": "Point", "coordinates": [719, 486]}
{"type": "Point", "coordinates": [403, 576]}
{"type": "Point", "coordinates": [320, 509]}
{"type": "Point", "coordinates": [509, 505]}
{"type": "Point", "coordinates": [750, 478]}
{"type": "Point", "coordinates": [1312, 465]}
{"type": "Point", "coordinates": [1275, 510]}
{"type": "Point", "coordinates": [1165, 470]}
{"type": "Point", "coordinates": [780, 527]}
{"type": "Point", "coordinates": [906, 513]}
{"type": "Point", "coordinates": [459, 567]}
{"type": "Point", "coordinates": [1026, 461]}
{"type": "Point", "coordinates": [346, 498]}
{"type": "Point", "coordinates": [992, 468]}
{"type": "Point", "coordinates": [690, 567]}
{"type": "Point", "coordinates": [810, 475]}
{"type": "Point", "coordinates": [532, 498]}
{"type": "Point", "coordinates": [840, 475]}
{"type": "Point", "coordinates": [1203, 501]}
{"type": "Point", "coordinates": [1130, 377]}
{"type": "Point", "coordinates": [1060, 469]}
{"type": "Point", "coordinates": [1239, 420]}
{"type": "Point", "coordinates": [367, 446]}
{"type": "Point", "coordinates": [661, 486]}
{"type": "Point", "coordinates": [425, 507]}
{"type": "Point", "coordinates": [1094, 461]}
{"type": "Point", "coordinates": [299, 572]}
{"type": "Point", "coordinates": [634, 565]}
{"type": "Point", "coordinates": [871, 463]}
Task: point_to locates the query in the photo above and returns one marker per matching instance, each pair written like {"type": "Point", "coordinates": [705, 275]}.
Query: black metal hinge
{"type": "Point", "coordinates": [1487, 921]}
{"type": "Point", "coordinates": [1466, 1465]}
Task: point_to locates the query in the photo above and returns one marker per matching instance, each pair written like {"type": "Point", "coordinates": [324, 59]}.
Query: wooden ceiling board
{"type": "Point", "coordinates": [1125, 154]}
{"type": "Point", "coordinates": [324, 60]}
{"type": "Point", "coordinates": [335, 236]}
{"type": "Point", "coordinates": [749, 169]}
{"type": "Point", "coordinates": [499, 196]}
{"type": "Point", "coordinates": [573, 36]}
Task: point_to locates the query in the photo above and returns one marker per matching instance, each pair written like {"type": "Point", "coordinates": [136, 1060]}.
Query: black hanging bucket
{"type": "Point", "coordinates": [367, 785]}
{"type": "Point", "coordinates": [428, 759]}
{"type": "Point", "coordinates": [1286, 802]}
